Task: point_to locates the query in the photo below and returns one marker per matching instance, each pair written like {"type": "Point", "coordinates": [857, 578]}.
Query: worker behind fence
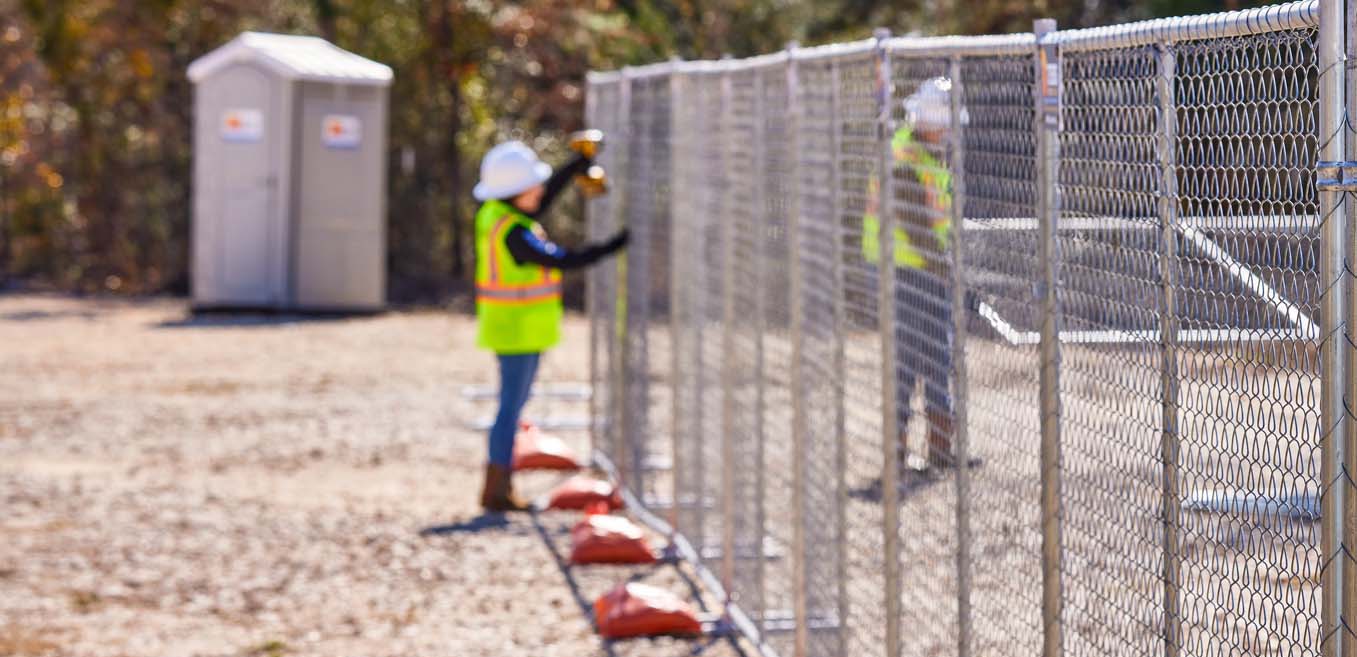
{"type": "Point", "coordinates": [518, 289]}
{"type": "Point", "coordinates": [922, 272]}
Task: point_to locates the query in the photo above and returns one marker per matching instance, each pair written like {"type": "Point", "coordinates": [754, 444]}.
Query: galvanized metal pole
{"type": "Point", "coordinates": [1336, 382]}
{"type": "Point", "coordinates": [840, 369]}
{"type": "Point", "coordinates": [730, 314]}
{"type": "Point", "coordinates": [678, 307]}
{"type": "Point", "coordinates": [757, 607]}
{"type": "Point", "coordinates": [1346, 14]}
{"type": "Point", "coordinates": [701, 318]}
{"type": "Point", "coordinates": [890, 433]}
{"type": "Point", "coordinates": [636, 364]}
{"type": "Point", "coordinates": [795, 317]}
{"type": "Point", "coordinates": [619, 429]}
{"type": "Point", "coordinates": [590, 290]}
{"type": "Point", "coordinates": [961, 448]}
{"type": "Point", "coordinates": [1048, 123]}
{"type": "Point", "coordinates": [1168, 338]}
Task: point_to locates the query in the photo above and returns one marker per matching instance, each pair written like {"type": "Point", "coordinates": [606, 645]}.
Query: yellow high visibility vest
{"type": "Point", "coordinates": [932, 174]}
{"type": "Point", "coordinates": [518, 307]}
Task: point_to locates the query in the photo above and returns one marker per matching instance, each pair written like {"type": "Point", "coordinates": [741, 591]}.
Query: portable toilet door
{"type": "Point", "coordinates": [240, 228]}
{"type": "Point", "coordinates": [340, 248]}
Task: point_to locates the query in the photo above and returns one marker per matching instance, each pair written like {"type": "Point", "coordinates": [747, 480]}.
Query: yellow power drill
{"type": "Point", "coordinates": [594, 181]}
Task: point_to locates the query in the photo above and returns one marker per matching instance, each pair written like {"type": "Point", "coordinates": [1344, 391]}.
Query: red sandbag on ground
{"type": "Point", "coordinates": [609, 539]}
{"type": "Point", "coordinates": [534, 450]}
{"type": "Point", "coordinates": [578, 493]}
{"type": "Point", "coordinates": [636, 610]}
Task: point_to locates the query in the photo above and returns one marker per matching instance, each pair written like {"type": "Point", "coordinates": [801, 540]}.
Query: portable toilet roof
{"type": "Point", "coordinates": [294, 58]}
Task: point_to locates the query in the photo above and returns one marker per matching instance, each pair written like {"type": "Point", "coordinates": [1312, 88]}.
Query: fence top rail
{"type": "Point", "coordinates": [1274, 18]}
{"type": "Point", "coordinates": [1245, 22]}
{"type": "Point", "coordinates": [943, 46]}
{"type": "Point", "coordinates": [731, 65]}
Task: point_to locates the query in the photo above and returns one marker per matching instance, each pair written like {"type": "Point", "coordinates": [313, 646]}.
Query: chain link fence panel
{"type": "Point", "coordinates": [854, 270]}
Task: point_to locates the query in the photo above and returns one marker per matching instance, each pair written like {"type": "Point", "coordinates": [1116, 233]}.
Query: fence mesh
{"type": "Point", "coordinates": [836, 265]}
{"type": "Point", "coordinates": [999, 267]}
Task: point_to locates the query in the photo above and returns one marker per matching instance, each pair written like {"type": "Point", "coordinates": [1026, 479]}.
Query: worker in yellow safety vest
{"type": "Point", "coordinates": [922, 271]}
{"type": "Point", "coordinates": [518, 289]}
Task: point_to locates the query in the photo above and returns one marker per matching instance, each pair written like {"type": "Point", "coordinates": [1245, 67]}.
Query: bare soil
{"type": "Point", "coordinates": [275, 485]}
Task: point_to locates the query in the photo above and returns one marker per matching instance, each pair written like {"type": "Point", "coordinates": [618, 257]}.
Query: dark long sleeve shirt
{"type": "Point", "coordinates": [558, 181]}
{"type": "Point", "coordinates": [528, 248]}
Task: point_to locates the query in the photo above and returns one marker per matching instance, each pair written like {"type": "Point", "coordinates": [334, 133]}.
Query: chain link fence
{"type": "Point", "coordinates": [1052, 363]}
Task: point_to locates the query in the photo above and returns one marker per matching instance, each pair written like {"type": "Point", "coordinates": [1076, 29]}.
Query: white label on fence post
{"type": "Point", "coordinates": [341, 131]}
{"type": "Point", "coordinates": [242, 125]}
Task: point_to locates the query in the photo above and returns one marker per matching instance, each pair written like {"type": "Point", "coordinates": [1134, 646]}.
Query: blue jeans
{"type": "Point", "coordinates": [516, 373]}
{"type": "Point", "coordinates": [923, 339]}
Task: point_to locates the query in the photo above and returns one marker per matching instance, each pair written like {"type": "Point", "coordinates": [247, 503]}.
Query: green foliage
{"type": "Point", "coordinates": [95, 109]}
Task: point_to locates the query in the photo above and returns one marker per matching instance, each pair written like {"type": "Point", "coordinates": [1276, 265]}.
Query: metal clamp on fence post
{"type": "Point", "coordinates": [890, 431]}
{"type": "Point", "coordinates": [1048, 124]}
{"type": "Point", "coordinates": [1336, 176]}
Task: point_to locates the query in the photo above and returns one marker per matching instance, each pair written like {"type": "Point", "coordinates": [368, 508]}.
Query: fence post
{"type": "Point", "coordinates": [1336, 375]}
{"type": "Point", "coordinates": [728, 316]}
{"type": "Point", "coordinates": [677, 299]}
{"type": "Point", "coordinates": [840, 367]}
{"type": "Point", "coordinates": [1346, 14]}
{"type": "Point", "coordinates": [890, 434]}
{"type": "Point", "coordinates": [1168, 338]}
{"type": "Point", "coordinates": [636, 346]}
{"type": "Point", "coordinates": [757, 608]}
{"type": "Point", "coordinates": [590, 282]}
{"type": "Point", "coordinates": [961, 448]}
{"type": "Point", "coordinates": [618, 414]}
{"type": "Point", "coordinates": [1048, 123]}
{"type": "Point", "coordinates": [793, 127]}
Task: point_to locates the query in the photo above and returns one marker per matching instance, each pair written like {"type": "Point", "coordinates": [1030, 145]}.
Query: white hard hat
{"type": "Point", "coordinates": [929, 108]}
{"type": "Point", "coordinates": [508, 170]}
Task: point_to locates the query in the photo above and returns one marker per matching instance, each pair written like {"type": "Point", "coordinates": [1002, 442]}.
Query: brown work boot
{"type": "Point", "coordinates": [906, 463]}
{"type": "Point", "coordinates": [940, 454]}
{"type": "Point", "coordinates": [498, 495]}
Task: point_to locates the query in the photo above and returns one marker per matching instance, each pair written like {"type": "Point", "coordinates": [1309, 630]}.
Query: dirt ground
{"type": "Point", "coordinates": [250, 485]}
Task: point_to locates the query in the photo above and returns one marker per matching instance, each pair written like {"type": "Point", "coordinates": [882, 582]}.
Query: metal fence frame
{"type": "Point", "coordinates": [691, 362]}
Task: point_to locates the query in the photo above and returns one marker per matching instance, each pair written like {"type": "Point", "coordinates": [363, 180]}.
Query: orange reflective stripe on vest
{"type": "Point", "coordinates": [498, 292]}
{"type": "Point", "coordinates": [495, 238]}
{"type": "Point", "coordinates": [503, 293]}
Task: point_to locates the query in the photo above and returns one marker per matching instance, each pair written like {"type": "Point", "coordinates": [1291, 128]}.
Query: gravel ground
{"type": "Point", "coordinates": [237, 485]}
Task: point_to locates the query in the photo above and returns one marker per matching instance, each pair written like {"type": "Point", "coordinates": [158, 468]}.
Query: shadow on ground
{"type": "Point", "coordinates": [246, 319]}
{"type": "Point", "coordinates": [39, 315]}
{"type": "Point", "coordinates": [479, 523]}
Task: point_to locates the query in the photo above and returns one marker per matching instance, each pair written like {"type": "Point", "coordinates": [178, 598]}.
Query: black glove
{"type": "Point", "coordinates": [580, 163]}
{"type": "Point", "coordinates": [619, 240]}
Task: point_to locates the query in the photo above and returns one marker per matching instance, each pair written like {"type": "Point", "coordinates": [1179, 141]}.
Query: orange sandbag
{"type": "Point", "coordinates": [580, 492]}
{"type": "Point", "coordinates": [609, 539]}
{"type": "Point", "coordinates": [634, 610]}
{"type": "Point", "coordinates": [534, 450]}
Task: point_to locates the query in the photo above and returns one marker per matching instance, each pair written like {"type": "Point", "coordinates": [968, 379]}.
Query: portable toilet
{"type": "Point", "coordinates": [289, 176]}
